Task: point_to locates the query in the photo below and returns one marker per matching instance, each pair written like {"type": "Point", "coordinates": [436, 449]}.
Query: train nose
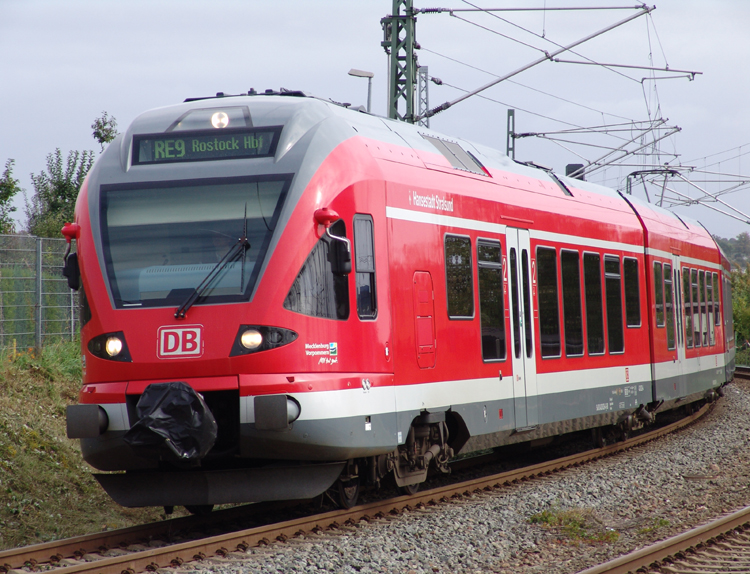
{"type": "Point", "coordinates": [173, 421]}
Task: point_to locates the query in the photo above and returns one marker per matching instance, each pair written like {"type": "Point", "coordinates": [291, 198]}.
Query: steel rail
{"type": "Point", "coordinates": [240, 541]}
{"type": "Point", "coordinates": [659, 552]}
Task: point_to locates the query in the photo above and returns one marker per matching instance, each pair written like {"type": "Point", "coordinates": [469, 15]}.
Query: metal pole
{"type": "Point", "coordinates": [369, 94]}
{"type": "Point", "coordinates": [398, 42]}
{"type": "Point", "coordinates": [423, 94]}
{"type": "Point", "coordinates": [38, 306]}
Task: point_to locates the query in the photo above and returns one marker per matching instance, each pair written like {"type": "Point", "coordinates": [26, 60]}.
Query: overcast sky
{"type": "Point", "coordinates": [63, 63]}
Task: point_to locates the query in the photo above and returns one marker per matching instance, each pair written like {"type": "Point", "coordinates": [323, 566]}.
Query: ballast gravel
{"type": "Point", "coordinates": [624, 502]}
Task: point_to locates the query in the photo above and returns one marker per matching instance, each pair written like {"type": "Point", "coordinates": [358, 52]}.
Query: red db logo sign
{"type": "Point", "coordinates": [180, 341]}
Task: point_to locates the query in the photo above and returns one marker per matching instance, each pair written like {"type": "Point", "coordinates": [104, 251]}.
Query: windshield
{"type": "Point", "coordinates": [161, 240]}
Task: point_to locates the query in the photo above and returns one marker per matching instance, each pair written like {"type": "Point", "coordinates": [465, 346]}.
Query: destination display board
{"type": "Point", "coordinates": [173, 147]}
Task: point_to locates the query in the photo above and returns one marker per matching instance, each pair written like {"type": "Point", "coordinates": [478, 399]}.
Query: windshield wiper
{"type": "Point", "coordinates": [238, 248]}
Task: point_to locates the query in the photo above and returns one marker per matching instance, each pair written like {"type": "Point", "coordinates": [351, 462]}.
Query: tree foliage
{"type": "Point", "coordinates": [737, 249]}
{"type": "Point", "coordinates": [105, 129]}
{"type": "Point", "coordinates": [741, 304]}
{"type": "Point", "coordinates": [55, 192]}
{"type": "Point", "coordinates": [8, 189]}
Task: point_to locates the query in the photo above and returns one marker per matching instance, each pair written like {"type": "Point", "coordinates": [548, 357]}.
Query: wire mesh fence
{"type": "Point", "coordinates": [36, 305]}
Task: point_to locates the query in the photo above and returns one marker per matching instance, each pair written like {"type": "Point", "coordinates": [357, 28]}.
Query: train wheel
{"type": "Point", "coordinates": [600, 441]}
{"type": "Point", "coordinates": [348, 492]}
{"type": "Point", "coordinates": [199, 509]}
{"type": "Point", "coordinates": [410, 489]}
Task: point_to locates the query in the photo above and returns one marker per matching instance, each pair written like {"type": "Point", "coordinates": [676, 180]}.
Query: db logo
{"type": "Point", "coordinates": [180, 341]}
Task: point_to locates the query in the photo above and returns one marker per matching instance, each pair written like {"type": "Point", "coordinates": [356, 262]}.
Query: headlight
{"type": "Point", "coordinates": [113, 346]}
{"type": "Point", "coordinates": [258, 338]}
{"type": "Point", "coordinates": [251, 339]}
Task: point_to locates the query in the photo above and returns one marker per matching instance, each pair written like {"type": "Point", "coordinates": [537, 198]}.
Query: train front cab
{"type": "Point", "coordinates": [326, 352]}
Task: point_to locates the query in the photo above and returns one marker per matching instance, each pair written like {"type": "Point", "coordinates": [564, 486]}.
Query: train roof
{"type": "Point", "coordinates": [313, 128]}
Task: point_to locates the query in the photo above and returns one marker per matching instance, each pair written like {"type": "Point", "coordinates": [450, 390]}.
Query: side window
{"type": "Point", "coordinates": [688, 308]}
{"type": "Point", "coordinates": [678, 305]}
{"type": "Point", "coordinates": [572, 313]}
{"type": "Point", "coordinates": [491, 311]}
{"type": "Point", "coordinates": [515, 304]}
{"type": "Point", "coordinates": [592, 279]}
{"type": "Point", "coordinates": [696, 308]}
{"type": "Point", "coordinates": [613, 284]}
{"type": "Point", "coordinates": [549, 316]}
{"type": "Point", "coordinates": [632, 292]}
{"type": "Point", "coordinates": [364, 252]}
{"type": "Point", "coordinates": [717, 299]}
{"type": "Point", "coordinates": [710, 306]}
{"type": "Point", "coordinates": [317, 291]}
{"type": "Point", "coordinates": [668, 305]}
{"type": "Point", "coordinates": [459, 277]}
{"type": "Point", "coordinates": [729, 316]}
{"type": "Point", "coordinates": [659, 292]}
{"type": "Point", "coordinates": [702, 295]}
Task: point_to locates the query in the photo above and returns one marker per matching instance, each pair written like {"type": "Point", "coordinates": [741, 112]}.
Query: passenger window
{"type": "Point", "coordinates": [688, 308]}
{"type": "Point", "coordinates": [516, 304]}
{"type": "Point", "coordinates": [527, 323]}
{"type": "Point", "coordinates": [668, 305]}
{"type": "Point", "coordinates": [696, 308]}
{"type": "Point", "coordinates": [613, 284]}
{"type": "Point", "coordinates": [459, 277]}
{"type": "Point", "coordinates": [710, 305]}
{"type": "Point", "coordinates": [717, 310]}
{"type": "Point", "coordinates": [678, 305]}
{"type": "Point", "coordinates": [317, 291]}
{"type": "Point", "coordinates": [704, 315]}
{"type": "Point", "coordinates": [659, 291]}
{"type": "Point", "coordinates": [572, 313]}
{"type": "Point", "coordinates": [729, 317]}
{"type": "Point", "coordinates": [632, 292]}
{"type": "Point", "coordinates": [364, 252]}
{"type": "Point", "coordinates": [592, 279]}
{"type": "Point", "coordinates": [549, 321]}
{"type": "Point", "coordinates": [491, 310]}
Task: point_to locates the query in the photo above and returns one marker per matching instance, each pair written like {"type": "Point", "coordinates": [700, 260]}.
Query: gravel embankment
{"type": "Point", "coordinates": [648, 494]}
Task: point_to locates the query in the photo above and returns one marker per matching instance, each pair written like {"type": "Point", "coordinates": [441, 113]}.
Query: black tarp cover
{"type": "Point", "coordinates": [174, 421]}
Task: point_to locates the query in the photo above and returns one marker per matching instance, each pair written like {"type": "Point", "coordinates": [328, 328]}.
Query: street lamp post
{"type": "Point", "coordinates": [362, 74]}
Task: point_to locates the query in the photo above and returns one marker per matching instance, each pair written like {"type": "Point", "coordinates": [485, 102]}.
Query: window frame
{"type": "Point", "coordinates": [601, 304]}
{"type": "Point", "coordinates": [556, 300]}
{"type": "Point", "coordinates": [498, 266]}
{"type": "Point", "coordinates": [637, 285]}
{"type": "Point", "coordinates": [612, 256]}
{"type": "Point", "coordinates": [580, 304]}
{"type": "Point", "coordinates": [372, 272]}
{"type": "Point", "coordinates": [447, 283]}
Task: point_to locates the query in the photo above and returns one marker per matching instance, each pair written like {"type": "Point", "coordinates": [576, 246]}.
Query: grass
{"type": "Point", "coordinates": [656, 524]}
{"type": "Point", "coordinates": [576, 523]}
{"type": "Point", "coordinates": [46, 489]}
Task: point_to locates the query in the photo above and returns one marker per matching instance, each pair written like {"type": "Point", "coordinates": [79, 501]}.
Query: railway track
{"type": "Point", "coordinates": [124, 551]}
{"type": "Point", "coordinates": [742, 372]}
{"type": "Point", "coordinates": [719, 546]}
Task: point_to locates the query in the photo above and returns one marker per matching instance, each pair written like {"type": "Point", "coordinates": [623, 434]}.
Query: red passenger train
{"type": "Point", "coordinates": [280, 294]}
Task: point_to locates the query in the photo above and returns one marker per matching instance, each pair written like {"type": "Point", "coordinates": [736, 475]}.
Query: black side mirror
{"type": "Point", "coordinates": [73, 272]}
{"type": "Point", "coordinates": [340, 256]}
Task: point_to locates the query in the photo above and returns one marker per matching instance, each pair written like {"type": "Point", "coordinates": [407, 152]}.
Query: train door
{"type": "Point", "coordinates": [522, 287]}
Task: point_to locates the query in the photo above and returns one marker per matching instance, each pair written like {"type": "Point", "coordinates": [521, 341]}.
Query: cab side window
{"type": "Point", "coordinates": [364, 253]}
{"type": "Point", "coordinates": [318, 291]}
